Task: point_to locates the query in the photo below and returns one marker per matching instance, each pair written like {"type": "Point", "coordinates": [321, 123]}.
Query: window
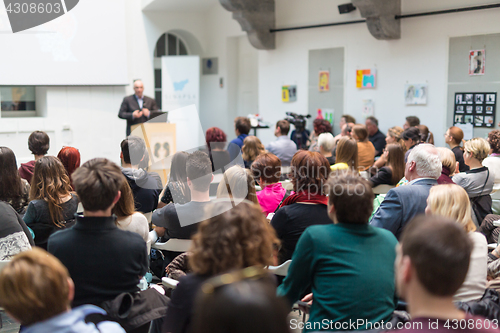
{"type": "Point", "coordinates": [18, 101]}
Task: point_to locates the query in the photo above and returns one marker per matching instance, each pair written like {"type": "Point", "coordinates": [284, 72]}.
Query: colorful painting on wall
{"type": "Point", "coordinates": [477, 62]}
{"type": "Point", "coordinates": [288, 94]}
{"type": "Point", "coordinates": [366, 78]}
{"type": "Point", "coordinates": [416, 94]}
{"type": "Point", "coordinates": [324, 80]}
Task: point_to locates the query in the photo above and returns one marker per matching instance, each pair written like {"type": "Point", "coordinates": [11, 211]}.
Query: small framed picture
{"type": "Point", "coordinates": [489, 109]}
{"type": "Point", "coordinates": [470, 108]}
{"type": "Point", "coordinates": [488, 120]}
{"type": "Point", "coordinates": [458, 99]}
{"type": "Point", "coordinates": [459, 118]}
{"type": "Point", "coordinates": [469, 98]}
{"type": "Point", "coordinates": [469, 119]}
{"type": "Point", "coordinates": [479, 120]}
{"type": "Point", "coordinates": [490, 98]}
{"type": "Point", "coordinates": [479, 109]}
{"type": "Point", "coordinates": [479, 98]}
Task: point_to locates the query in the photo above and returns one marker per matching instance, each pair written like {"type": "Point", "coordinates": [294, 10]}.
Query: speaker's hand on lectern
{"type": "Point", "coordinates": [137, 114]}
{"type": "Point", "coordinates": [146, 112]}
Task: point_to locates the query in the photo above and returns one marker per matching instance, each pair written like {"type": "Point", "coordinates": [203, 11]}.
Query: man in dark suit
{"type": "Point", "coordinates": [137, 108]}
{"type": "Point", "coordinates": [403, 203]}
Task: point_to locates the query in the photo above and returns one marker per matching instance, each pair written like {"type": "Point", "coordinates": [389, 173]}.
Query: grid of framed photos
{"type": "Point", "coordinates": [477, 109]}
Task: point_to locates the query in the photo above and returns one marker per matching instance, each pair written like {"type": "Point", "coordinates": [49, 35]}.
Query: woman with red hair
{"type": "Point", "coordinates": [70, 158]}
{"type": "Point", "coordinates": [216, 143]}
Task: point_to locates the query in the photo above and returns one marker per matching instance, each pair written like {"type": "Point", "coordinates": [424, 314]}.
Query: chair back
{"type": "Point", "coordinates": [382, 189]}
{"type": "Point", "coordinates": [174, 245]}
{"type": "Point", "coordinates": [169, 283]}
{"type": "Point", "coordinates": [281, 270]}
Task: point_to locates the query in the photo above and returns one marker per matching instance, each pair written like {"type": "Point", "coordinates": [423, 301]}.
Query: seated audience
{"type": "Point", "coordinates": [411, 121]}
{"type": "Point", "coordinates": [36, 290]}
{"type": "Point", "coordinates": [70, 159]}
{"type": "Point", "coordinates": [403, 203]}
{"type": "Point", "coordinates": [242, 127]}
{"type": "Point", "coordinates": [348, 264]}
{"type": "Point", "coordinates": [320, 126]}
{"type": "Point", "coordinates": [248, 303]}
{"type": "Point", "coordinates": [366, 150]}
{"type": "Point", "coordinates": [283, 147]}
{"type": "Point", "coordinates": [394, 170]}
{"type": "Point", "coordinates": [489, 230]}
{"type": "Point", "coordinates": [307, 206]}
{"type": "Point", "coordinates": [266, 170]}
{"type": "Point", "coordinates": [238, 184]}
{"type": "Point", "coordinates": [453, 138]}
{"type": "Point", "coordinates": [393, 136]}
{"type": "Point", "coordinates": [426, 136]}
{"type": "Point", "coordinates": [178, 267]}
{"type": "Point", "coordinates": [252, 147]}
{"type": "Point", "coordinates": [38, 144]}
{"type": "Point", "coordinates": [52, 205]}
{"type": "Point", "coordinates": [346, 124]}
{"type": "Point", "coordinates": [233, 238]}
{"type": "Point", "coordinates": [346, 155]}
{"type": "Point", "coordinates": [14, 234]}
{"type": "Point", "coordinates": [449, 165]}
{"type": "Point", "coordinates": [146, 186]}
{"type": "Point", "coordinates": [326, 142]}
{"type": "Point", "coordinates": [14, 190]}
{"type": "Point", "coordinates": [103, 260]}
{"type": "Point", "coordinates": [451, 201]}
{"type": "Point", "coordinates": [431, 265]}
{"type": "Point", "coordinates": [492, 162]}
{"type": "Point", "coordinates": [216, 142]}
{"type": "Point", "coordinates": [376, 137]}
{"type": "Point", "coordinates": [346, 119]}
{"type": "Point", "coordinates": [411, 138]}
{"type": "Point", "coordinates": [176, 190]}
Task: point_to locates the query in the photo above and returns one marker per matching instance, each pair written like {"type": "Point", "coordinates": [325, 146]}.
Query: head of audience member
{"type": "Point", "coordinates": [494, 141]}
{"type": "Point", "coordinates": [322, 126]}
{"type": "Point", "coordinates": [411, 137]}
{"type": "Point", "coordinates": [252, 147]}
{"type": "Point", "coordinates": [125, 206]}
{"type": "Point", "coordinates": [432, 263]}
{"type": "Point", "coordinates": [246, 304]}
{"type": "Point", "coordinates": [346, 190]}
{"type": "Point", "coordinates": [11, 188]}
{"type": "Point", "coordinates": [234, 237]}
{"type": "Point", "coordinates": [309, 172]}
{"type": "Point", "coordinates": [394, 136]}
{"type": "Point", "coordinates": [138, 88]}
{"type": "Point", "coordinates": [326, 142]}
{"type": "Point", "coordinates": [38, 144]}
{"type": "Point", "coordinates": [411, 121]}
{"type": "Point", "coordinates": [35, 286]}
{"type": "Point", "coordinates": [395, 157]}
{"type": "Point", "coordinates": [347, 152]}
{"type": "Point", "coordinates": [359, 133]}
{"type": "Point", "coordinates": [266, 169]}
{"type": "Point", "coordinates": [98, 183]}
{"type": "Point", "coordinates": [50, 183]}
{"type": "Point", "coordinates": [199, 173]}
{"type": "Point", "coordinates": [215, 138]}
{"type": "Point", "coordinates": [345, 119]}
{"type": "Point", "coordinates": [453, 136]}
{"type": "Point", "coordinates": [282, 128]}
{"type": "Point", "coordinates": [242, 126]}
{"type": "Point", "coordinates": [133, 150]}
{"type": "Point", "coordinates": [346, 129]}
{"type": "Point", "coordinates": [70, 158]}
{"type": "Point", "coordinates": [426, 135]}
{"type": "Point", "coordinates": [448, 160]}
{"type": "Point", "coordinates": [451, 201]}
{"type": "Point", "coordinates": [238, 184]}
{"type": "Point", "coordinates": [371, 124]}
{"type": "Point", "coordinates": [178, 171]}
{"type": "Point", "coordinates": [423, 162]}
{"type": "Point", "coordinates": [475, 151]}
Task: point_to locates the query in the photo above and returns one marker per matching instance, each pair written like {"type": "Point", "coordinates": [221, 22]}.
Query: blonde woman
{"type": "Point", "coordinates": [452, 201]}
{"type": "Point", "coordinates": [393, 136]}
{"type": "Point", "coordinates": [238, 183]}
{"type": "Point", "coordinates": [252, 147]}
{"type": "Point", "coordinates": [449, 164]}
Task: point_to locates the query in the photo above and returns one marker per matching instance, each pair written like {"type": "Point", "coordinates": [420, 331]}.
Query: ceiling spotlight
{"type": "Point", "coordinates": [346, 8]}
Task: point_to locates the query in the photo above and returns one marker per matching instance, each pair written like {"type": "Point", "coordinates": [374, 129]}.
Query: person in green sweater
{"type": "Point", "coordinates": [349, 265]}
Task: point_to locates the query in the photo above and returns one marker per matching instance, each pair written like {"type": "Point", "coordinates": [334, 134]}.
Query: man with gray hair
{"type": "Point", "coordinates": [376, 137]}
{"type": "Point", "coordinates": [403, 203]}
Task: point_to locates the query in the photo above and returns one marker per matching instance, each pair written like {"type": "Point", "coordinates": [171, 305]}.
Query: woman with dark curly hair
{"type": "Point", "coordinates": [216, 143]}
{"type": "Point", "coordinates": [234, 238]}
{"type": "Point", "coordinates": [492, 162]}
{"type": "Point", "coordinates": [307, 206]}
{"type": "Point", "coordinates": [320, 126]}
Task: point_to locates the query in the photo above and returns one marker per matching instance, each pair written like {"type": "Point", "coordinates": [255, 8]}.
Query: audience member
{"type": "Point", "coordinates": [283, 147]}
{"type": "Point", "coordinates": [431, 265]}
{"type": "Point", "coordinates": [238, 184]}
{"type": "Point", "coordinates": [411, 121]}
{"type": "Point", "coordinates": [14, 234]}
{"type": "Point", "coordinates": [451, 201]}
{"type": "Point", "coordinates": [307, 206]}
{"type": "Point", "coordinates": [36, 290]}
{"type": "Point", "coordinates": [103, 260]}
{"type": "Point", "coordinates": [234, 237]}
{"type": "Point", "coordinates": [216, 142]}
{"type": "Point", "coordinates": [320, 126]}
{"type": "Point", "coordinates": [176, 190]}
{"type": "Point", "coordinates": [411, 138]}
{"type": "Point", "coordinates": [70, 159]}
{"type": "Point", "coordinates": [38, 144]}
{"type": "Point", "coordinates": [403, 203]}
{"type": "Point", "coordinates": [14, 190]}
{"type": "Point", "coordinates": [346, 124]}
{"type": "Point", "coordinates": [146, 186]}
{"type": "Point", "coordinates": [245, 303]}
{"type": "Point", "coordinates": [346, 119]}
{"type": "Point", "coordinates": [426, 136]}
{"type": "Point", "coordinates": [376, 137]}
{"type": "Point", "coordinates": [252, 147]}
{"type": "Point", "coordinates": [326, 142]}
{"type": "Point", "coordinates": [266, 170]}
{"type": "Point", "coordinates": [348, 264]}
{"type": "Point", "coordinates": [448, 164]}
{"type": "Point", "coordinates": [346, 155]}
{"type": "Point", "coordinates": [453, 137]}
{"type": "Point", "coordinates": [394, 170]}
{"type": "Point", "coordinates": [366, 150]}
{"type": "Point", "coordinates": [393, 136]}
{"type": "Point", "coordinates": [52, 206]}
{"type": "Point", "coordinates": [492, 162]}
{"type": "Point", "coordinates": [242, 127]}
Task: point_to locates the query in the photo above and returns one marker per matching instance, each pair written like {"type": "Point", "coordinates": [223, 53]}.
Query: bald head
{"type": "Point", "coordinates": [138, 88]}
{"type": "Point", "coordinates": [423, 161]}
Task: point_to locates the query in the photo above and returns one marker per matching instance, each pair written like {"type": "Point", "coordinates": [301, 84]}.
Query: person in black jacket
{"type": "Point", "coordinates": [394, 170]}
{"type": "Point", "coordinates": [136, 109]}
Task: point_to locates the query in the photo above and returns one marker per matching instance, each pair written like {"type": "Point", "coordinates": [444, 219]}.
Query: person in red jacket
{"type": "Point", "coordinates": [38, 144]}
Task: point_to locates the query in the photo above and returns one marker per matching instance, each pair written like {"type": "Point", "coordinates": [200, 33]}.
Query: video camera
{"type": "Point", "coordinates": [301, 135]}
